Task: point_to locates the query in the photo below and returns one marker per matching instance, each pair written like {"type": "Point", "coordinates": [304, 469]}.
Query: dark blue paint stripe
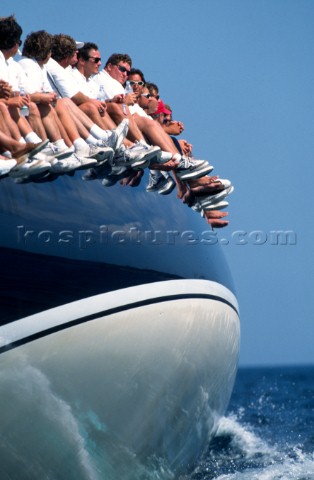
{"type": "Point", "coordinates": [111, 311]}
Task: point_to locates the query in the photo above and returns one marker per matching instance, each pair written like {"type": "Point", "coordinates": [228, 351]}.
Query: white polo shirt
{"type": "Point", "coordinates": [111, 86]}
{"type": "Point", "coordinates": [37, 76]}
{"type": "Point", "coordinates": [12, 72]}
{"type": "Point", "coordinates": [61, 80]}
{"type": "Point", "coordinates": [136, 108]}
{"type": "Point", "coordinates": [4, 68]}
{"type": "Point", "coordinates": [87, 86]}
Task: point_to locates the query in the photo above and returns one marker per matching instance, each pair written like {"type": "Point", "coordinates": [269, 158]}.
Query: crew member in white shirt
{"type": "Point", "coordinates": [11, 101]}
{"type": "Point", "coordinates": [136, 155]}
{"type": "Point", "coordinates": [59, 124]}
{"type": "Point", "coordinates": [119, 68]}
{"type": "Point", "coordinates": [84, 110]}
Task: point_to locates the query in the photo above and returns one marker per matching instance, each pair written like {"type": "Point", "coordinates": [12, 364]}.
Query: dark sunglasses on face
{"type": "Point", "coordinates": [146, 95]}
{"type": "Point", "coordinates": [140, 84]}
{"type": "Point", "coordinates": [95, 59]}
{"type": "Point", "coordinates": [123, 69]}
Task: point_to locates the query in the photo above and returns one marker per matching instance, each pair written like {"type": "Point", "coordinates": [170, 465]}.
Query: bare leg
{"type": "Point", "coordinates": [8, 143]}
{"type": "Point", "coordinates": [116, 113]}
{"type": "Point", "coordinates": [50, 122]}
{"type": "Point", "coordinates": [155, 134]}
{"type": "Point", "coordinates": [69, 124]}
{"type": "Point", "coordinates": [14, 146]}
{"type": "Point", "coordinates": [82, 122]}
{"type": "Point", "coordinates": [35, 121]}
{"type": "Point", "coordinates": [103, 121]}
{"type": "Point", "coordinates": [64, 132]}
{"type": "Point", "coordinates": [13, 121]}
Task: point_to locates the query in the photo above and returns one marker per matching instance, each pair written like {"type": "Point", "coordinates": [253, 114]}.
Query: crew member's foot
{"type": "Point", "coordinates": [215, 206]}
{"type": "Point", "coordinates": [211, 188]}
{"type": "Point", "coordinates": [206, 180]}
{"type": "Point", "coordinates": [215, 214]}
{"type": "Point", "coordinates": [137, 156]}
{"type": "Point", "coordinates": [30, 149]}
{"type": "Point", "coordinates": [159, 183]}
{"type": "Point", "coordinates": [100, 154]}
{"type": "Point", "coordinates": [212, 199]}
{"type": "Point", "coordinates": [188, 169]}
{"type": "Point", "coordinates": [133, 180]}
{"type": "Point", "coordinates": [60, 153]}
{"type": "Point", "coordinates": [217, 223]}
{"type": "Point", "coordinates": [65, 165]}
{"type": "Point", "coordinates": [111, 179]}
{"type": "Point", "coordinates": [117, 135]}
{"type": "Point", "coordinates": [6, 166]}
{"type": "Point", "coordinates": [30, 166]}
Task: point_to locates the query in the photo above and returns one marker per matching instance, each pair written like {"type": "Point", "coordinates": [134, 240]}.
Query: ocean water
{"type": "Point", "coordinates": [266, 434]}
{"type": "Point", "coordinates": [268, 430]}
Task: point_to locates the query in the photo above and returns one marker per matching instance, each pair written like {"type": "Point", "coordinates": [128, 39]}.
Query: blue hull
{"type": "Point", "coordinates": [123, 303]}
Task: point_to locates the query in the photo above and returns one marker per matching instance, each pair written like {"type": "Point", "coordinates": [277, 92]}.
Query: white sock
{"type": "Point", "coordinates": [91, 140]}
{"type": "Point", "coordinates": [7, 154]}
{"type": "Point", "coordinates": [79, 144]}
{"type": "Point", "coordinates": [22, 140]}
{"type": "Point", "coordinates": [99, 132]}
{"type": "Point", "coordinates": [32, 137]}
{"type": "Point", "coordinates": [176, 157]}
{"type": "Point", "coordinates": [60, 144]}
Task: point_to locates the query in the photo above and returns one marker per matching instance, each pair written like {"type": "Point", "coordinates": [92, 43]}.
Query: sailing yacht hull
{"type": "Point", "coordinates": [120, 331]}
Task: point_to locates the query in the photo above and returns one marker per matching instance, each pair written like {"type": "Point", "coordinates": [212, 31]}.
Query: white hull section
{"type": "Point", "coordinates": [137, 374]}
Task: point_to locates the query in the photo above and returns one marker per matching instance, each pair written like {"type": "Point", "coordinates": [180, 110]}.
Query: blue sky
{"type": "Point", "coordinates": [240, 75]}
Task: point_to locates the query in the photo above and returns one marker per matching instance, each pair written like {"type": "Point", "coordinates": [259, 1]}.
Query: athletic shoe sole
{"type": "Point", "coordinates": [194, 172]}
{"type": "Point", "coordinates": [146, 159]}
{"type": "Point", "coordinates": [168, 188]}
{"type": "Point", "coordinates": [151, 188]}
{"type": "Point", "coordinates": [7, 166]}
{"type": "Point", "coordinates": [104, 156]}
{"type": "Point", "coordinates": [86, 163]}
{"type": "Point", "coordinates": [111, 180]}
{"type": "Point", "coordinates": [41, 166]}
{"type": "Point", "coordinates": [39, 147]}
{"type": "Point", "coordinates": [214, 199]}
{"type": "Point", "coordinates": [120, 132]}
{"type": "Point", "coordinates": [63, 155]}
{"type": "Point", "coordinates": [215, 206]}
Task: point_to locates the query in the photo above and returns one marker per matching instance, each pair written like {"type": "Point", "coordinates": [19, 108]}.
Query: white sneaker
{"type": "Point", "coordinates": [118, 134]}
{"type": "Point", "coordinates": [65, 165]}
{"type": "Point", "coordinates": [137, 156]}
{"type": "Point", "coordinates": [162, 185]}
{"type": "Point", "coordinates": [165, 157]}
{"type": "Point", "coordinates": [60, 153]}
{"type": "Point", "coordinates": [86, 162]}
{"type": "Point", "coordinates": [210, 200]}
{"type": "Point", "coordinates": [189, 169]}
{"type": "Point", "coordinates": [6, 166]}
{"type": "Point", "coordinates": [100, 154]}
{"type": "Point", "coordinates": [32, 167]}
{"type": "Point", "coordinates": [215, 206]}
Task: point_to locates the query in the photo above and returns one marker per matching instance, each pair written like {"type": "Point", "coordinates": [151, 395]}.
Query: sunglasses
{"type": "Point", "coordinates": [95, 59]}
{"type": "Point", "coordinates": [140, 84]}
{"type": "Point", "coordinates": [123, 69]}
{"type": "Point", "coordinates": [146, 95]}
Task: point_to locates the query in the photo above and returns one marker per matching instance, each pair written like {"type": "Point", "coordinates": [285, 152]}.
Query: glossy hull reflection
{"type": "Point", "coordinates": [135, 359]}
